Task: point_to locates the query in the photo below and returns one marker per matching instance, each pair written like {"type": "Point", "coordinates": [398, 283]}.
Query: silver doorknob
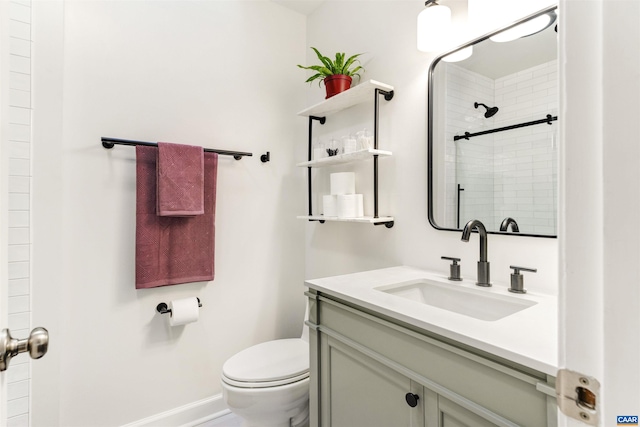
{"type": "Point", "coordinates": [37, 345]}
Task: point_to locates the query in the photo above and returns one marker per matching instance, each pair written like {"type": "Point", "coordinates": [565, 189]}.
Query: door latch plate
{"type": "Point", "coordinates": [578, 396]}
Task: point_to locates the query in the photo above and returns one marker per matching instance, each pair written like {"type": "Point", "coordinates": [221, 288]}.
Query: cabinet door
{"type": "Point", "coordinates": [442, 412]}
{"type": "Point", "coordinates": [361, 392]}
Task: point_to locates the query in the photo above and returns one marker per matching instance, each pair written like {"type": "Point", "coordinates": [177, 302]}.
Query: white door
{"type": "Point", "coordinates": [600, 201]}
{"type": "Point", "coordinates": [16, 254]}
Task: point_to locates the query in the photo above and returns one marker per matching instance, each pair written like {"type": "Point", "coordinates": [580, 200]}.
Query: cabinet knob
{"type": "Point", "coordinates": [412, 399]}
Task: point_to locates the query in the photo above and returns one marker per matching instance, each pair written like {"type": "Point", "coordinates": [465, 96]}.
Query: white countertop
{"type": "Point", "coordinates": [528, 337]}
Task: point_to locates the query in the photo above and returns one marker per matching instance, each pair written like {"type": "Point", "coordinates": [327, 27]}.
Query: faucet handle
{"type": "Point", "coordinates": [454, 268]}
{"type": "Point", "coordinates": [517, 279]}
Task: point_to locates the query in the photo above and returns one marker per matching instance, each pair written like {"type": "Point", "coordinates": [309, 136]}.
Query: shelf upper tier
{"type": "Point", "coordinates": [356, 156]}
{"type": "Point", "coordinates": [357, 94]}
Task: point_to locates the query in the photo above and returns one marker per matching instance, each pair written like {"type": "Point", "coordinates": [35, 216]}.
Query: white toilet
{"type": "Point", "coordinates": [267, 385]}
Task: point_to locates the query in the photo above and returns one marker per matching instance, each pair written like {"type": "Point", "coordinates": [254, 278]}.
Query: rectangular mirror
{"type": "Point", "coordinates": [493, 131]}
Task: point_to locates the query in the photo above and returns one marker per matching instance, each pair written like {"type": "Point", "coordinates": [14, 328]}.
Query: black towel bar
{"type": "Point", "coordinates": [111, 142]}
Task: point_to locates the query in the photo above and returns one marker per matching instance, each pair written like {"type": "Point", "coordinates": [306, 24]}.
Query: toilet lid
{"type": "Point", "coordinates": [269, 361]}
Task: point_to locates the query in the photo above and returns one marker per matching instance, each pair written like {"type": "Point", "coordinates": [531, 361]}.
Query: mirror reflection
{"type": "Point", "coordinates": [493, 133]}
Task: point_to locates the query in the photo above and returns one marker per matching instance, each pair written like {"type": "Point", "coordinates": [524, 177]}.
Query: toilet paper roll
{"type": "Point", "coordinates": [184, 311]}
{"type": "Point", "coordinates": [343, 183]}
{"type": "Point", "coordinates": [330, 205]}
{"type": "Point", "coordinates": [350, 206]}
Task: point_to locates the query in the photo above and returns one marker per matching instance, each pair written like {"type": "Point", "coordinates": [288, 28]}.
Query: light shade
{"type": "Point", "coordinates": [459, 55]}
{"type": "Point", "coordinates": [525, 29]}
{"type": "Point", "coordinates": [434, 26]}
{"type": "Point", "coordinates": [489, 15]}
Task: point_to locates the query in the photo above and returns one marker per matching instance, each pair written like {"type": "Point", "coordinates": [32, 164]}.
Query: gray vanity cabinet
{"type": "Point", "coordinates": [367, 370]}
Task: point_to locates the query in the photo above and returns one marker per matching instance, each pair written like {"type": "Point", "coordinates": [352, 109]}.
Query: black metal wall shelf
{"type": "Point", "coordinates": [319, 112]}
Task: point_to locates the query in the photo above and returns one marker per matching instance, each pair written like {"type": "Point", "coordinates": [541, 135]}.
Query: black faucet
{"type": "Point", "coordinates": [483, 264]}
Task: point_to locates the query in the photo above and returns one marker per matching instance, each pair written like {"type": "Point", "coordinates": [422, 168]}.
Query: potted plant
{"type": "Point", "coordinates": [337, 73]}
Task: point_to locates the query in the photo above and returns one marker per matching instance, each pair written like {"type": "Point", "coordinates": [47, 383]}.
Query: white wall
{"type": "Point", "coordinates": [219, 74]}
{"type": "Point", "coordinates": [387, 32]}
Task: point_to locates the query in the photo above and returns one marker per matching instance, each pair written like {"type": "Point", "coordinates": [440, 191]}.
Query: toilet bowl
{"type": "Point", "coordinates": [267, 385]}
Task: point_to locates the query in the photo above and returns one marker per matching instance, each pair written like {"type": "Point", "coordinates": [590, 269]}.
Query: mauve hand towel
{"type": "Point", "coordinates": [180, 180]}
{"type": "Point", "coordinates": [172, 250]}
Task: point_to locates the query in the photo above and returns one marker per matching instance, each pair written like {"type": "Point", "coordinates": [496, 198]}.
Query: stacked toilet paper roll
{"type": "Point", "coordinates": [343, 183]}
{"type": "Point", "coordinates": [343, 202]}
{"type": "Point", "coordinates": [350, 206]}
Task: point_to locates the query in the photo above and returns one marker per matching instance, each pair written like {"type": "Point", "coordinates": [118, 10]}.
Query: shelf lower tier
{"type": "Point", "coordinates": [364, 219]}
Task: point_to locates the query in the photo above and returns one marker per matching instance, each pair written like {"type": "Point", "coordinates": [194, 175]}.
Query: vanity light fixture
{"type": "Point", "coordinates": [459, 55]}
{"type": "Point", "coordinates": [434, 26]}
{"type": "Point", "coordinates": [526, 29]}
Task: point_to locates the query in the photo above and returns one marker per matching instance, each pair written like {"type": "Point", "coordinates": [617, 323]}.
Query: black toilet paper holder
{"type": "Point", "coordinates": [163, 308]}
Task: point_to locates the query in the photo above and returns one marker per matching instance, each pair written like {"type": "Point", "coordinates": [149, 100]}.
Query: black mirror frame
{"type": "Point", "coordinates": [430, 96]}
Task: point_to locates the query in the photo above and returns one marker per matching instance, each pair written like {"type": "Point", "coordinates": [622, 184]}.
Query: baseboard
{"type": "Point", "coordinates": [188, 415]}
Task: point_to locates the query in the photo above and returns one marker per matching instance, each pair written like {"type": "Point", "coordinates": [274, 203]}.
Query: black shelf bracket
{"type": "Point", "coordinates": [388, 96]}
{"type": "Point", "coordinates": [322, 121]}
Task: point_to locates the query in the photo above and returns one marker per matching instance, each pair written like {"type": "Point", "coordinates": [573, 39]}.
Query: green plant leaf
{"type": "Point", "coordinates": [339, 65]}
{"type": "Point", "coordinates": [350, 62]}
{"type": "Point", "coordinates": [326, 61]}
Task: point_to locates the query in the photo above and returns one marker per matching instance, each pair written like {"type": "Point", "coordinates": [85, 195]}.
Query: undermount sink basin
{"type": "Point", "coordinates": [476, 303]}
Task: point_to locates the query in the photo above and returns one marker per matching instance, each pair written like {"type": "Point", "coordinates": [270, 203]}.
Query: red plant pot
{"type": "Point", "coordinates": [336, 84]}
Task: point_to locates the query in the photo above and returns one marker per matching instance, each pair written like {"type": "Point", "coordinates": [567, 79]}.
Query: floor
{"type": "Point", "coordinates": [228, 420]}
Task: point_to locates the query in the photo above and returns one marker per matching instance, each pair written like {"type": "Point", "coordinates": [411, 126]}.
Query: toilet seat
{"type": "Point", "coordinates": [269, 364]}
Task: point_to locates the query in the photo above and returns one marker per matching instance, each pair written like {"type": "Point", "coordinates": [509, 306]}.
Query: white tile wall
{"type": "Point", "coordinates": [19, 179]}
{"type": "Point", "coordinates": [471, 161]}
{"type": "Point", "coordinates": [519, 167]}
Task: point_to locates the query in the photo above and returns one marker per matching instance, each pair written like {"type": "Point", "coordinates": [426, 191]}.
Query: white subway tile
{"type": "Point", "coordinates": [18, 236]}
{"type": "Point", "coordinates": [16, 322]}
{"type": "Point", "coordinates": [19, 287]}
{"type": "Point", "coordinates": [20, 81]}
{"type": "Point", "coordinates": [19, 167]}
{"type": "Point", "coordinates": [20, 115]}
{"type": "Point", "coordinates": [19, 98]}
{"type": "Point", "coordinates": [19, 64]}
{"type": "Point", "coordinates": [20, 149]}
{"type": "Point", "coordinates": [20, 47]}
{"type": "Point", "coordinates": [18, 270]}
{"type": "Point", "coordinates": [19, 421]}
{"type": "Point", "coordinates": [17, 407]}
{"type": "Point", "coordinates": [21, 30]}
{"type": "Point", "coordinates": [19, 304]}
{"type": "Point", "coordinates": [22, 358]}
{"type": "Point", "coordinates": [16, 253]}
{"type": "Point", "coordinates": [18, 201]}
{"type": "Point", "coordinates": [20, 133]}
{"type": "Point", "coordinates": [19, 184]}
{"type": "Point", "coordinates": [19, 12]}
{"type": "Point", "coordinates": [18, 219]}
{"type": "Point", "coordinates": [17, 390]}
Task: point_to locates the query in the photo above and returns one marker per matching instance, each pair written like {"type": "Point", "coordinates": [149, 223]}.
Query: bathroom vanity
{"type": "Point", "coordinates": [406, 347]}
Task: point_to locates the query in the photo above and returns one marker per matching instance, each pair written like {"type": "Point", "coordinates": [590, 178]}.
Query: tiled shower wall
{"type": "Point", "coordinates": [19, 183]}
{"type": "Point", "coordinates": [511, 173]}
{"type": "Point", "coordinates": [526, 159]}
{"type": "Point", "coordinates": [469, 162]}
